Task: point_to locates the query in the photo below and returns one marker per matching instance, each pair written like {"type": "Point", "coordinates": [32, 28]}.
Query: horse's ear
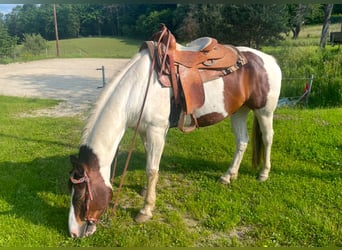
{"type": "Point", "coordinates": [77, 167]}
{"type": "Point", "coordinates": [74, 160]}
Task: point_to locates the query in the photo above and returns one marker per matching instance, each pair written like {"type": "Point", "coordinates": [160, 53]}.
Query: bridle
{"type": "Point", "coordinates": [88, 195]}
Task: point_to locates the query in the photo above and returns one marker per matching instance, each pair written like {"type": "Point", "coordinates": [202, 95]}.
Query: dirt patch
{"type": "Point", "coordinates": [76, 82]}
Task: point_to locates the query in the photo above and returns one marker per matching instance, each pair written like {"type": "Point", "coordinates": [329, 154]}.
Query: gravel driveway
{"type": "Point", "coordinates": [75, 81]}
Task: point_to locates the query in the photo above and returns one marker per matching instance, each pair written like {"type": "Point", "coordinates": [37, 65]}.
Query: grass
{"type": "Point", "coordinates": [300, 205]}
{"type": "Point", "coordinates": [33, 163]}
{"type": "Point", "coordinates": [88, 47]}
{"type": "Point", "coordinates": [96, 47]}
{"type": "Point", "coordinates": [300, 58]}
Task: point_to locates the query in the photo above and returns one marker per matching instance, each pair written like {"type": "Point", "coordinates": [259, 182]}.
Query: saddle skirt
{"type": "Point", "coordinates": [186, 68]}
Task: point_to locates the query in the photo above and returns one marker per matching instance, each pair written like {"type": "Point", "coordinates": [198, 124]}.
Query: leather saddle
{"type": "Point", "coordinates": [186, 68]}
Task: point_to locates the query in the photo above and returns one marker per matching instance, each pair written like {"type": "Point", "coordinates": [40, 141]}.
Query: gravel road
{"type": "Point", "coordinates": [74, 81]}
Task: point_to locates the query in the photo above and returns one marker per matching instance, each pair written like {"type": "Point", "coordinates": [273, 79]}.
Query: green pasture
{"type": "Point", "coordinates": [87, 47]}
{"type": "Point", "coordinates": [301, 58]}
{"type": "Point", "coordinates": [300, 205]}
{"type": "Point", "coordinates": [96, 47]}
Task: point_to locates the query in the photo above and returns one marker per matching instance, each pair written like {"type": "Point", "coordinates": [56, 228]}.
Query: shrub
{"type": "Point", "coordinates": [34, 44]}
{"type": "Point", "coordinates": [301, 62]}
{"type": "Point", "coordinates": [7, 43]}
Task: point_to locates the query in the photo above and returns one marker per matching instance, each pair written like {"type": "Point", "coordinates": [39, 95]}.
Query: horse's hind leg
{"type": "Point", "coordinates": [265, 119]}
{"type": "Point", "coordinates": [154, 141]}
{"type": "Point", "coordinates": [239, 126]}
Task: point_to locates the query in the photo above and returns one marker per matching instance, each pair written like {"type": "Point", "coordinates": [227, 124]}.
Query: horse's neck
{"type": "Point", "coordinates": [114, 111]}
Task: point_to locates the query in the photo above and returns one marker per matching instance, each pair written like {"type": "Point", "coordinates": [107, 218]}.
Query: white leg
{"type": "Point", "coordinates": [154, 142]}
{"type": "Point", "coordinates": [266, 126]}
{"type": "Point", "coordinates": [239, 125]}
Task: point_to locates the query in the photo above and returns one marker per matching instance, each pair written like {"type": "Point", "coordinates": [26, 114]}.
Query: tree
{"type": "Point", "coordinates": [211, 21]}
{"type": "Point", "coordinates": [11, 21]}
{"type": "Point", "coordinates": [325, 28]}
{"type": "Point", "coordinates": [254, 24]}
{"type": "Point", "coordinates": [149, 24]}
{"type": "Point", "coordinates": [7, 43]}
{"type": "Point", "coordinates": [186, 15]}
{"type": "Point", "coordinates": [148, 19]}
{"type": "Point", "coordinates": [248, 24]}
{"type": "Point", "coordinates": [112, 20]}
{"type": "Point", "coordinates": [68, 21]}
{"type": "Point", "coordinates": [297, 13]}
{"type": "Point", "coordinates": [245, 24]}
{"type": "Point", "coordinates": [91, 19]}
{"type": "Point", "coordinates": [28, 19]}
{"type": "Point", "coordinates": [315, 14]}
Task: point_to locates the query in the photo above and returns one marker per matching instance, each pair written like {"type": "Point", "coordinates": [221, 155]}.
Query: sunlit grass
{"type": "Point", "coordinates": [298, 206]}
{"type": "Point", "coordinates": [301, 58]}
{"type": "Point", "coordinates": [96, 47]}
{"type": "Point", "coordinates": [87, 47]}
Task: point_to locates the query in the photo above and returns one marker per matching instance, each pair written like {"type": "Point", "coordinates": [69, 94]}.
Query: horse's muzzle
{"type": "Point", "coordinates": [87, 229]}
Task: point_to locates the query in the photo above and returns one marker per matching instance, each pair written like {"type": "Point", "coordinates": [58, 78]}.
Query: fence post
{"type": "Point", "coordinates": [309, 90]}
{"type": "Point", "coordinates": [103, 77]}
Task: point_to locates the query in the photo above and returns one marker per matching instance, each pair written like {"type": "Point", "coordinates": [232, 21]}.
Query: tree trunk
{"type": "Point", "coordinates": [326, 22]}
{"type": "Point", "coordinates": [299, 20]}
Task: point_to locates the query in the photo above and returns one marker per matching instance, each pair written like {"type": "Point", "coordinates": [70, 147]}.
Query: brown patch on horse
{"type": "Point", "coordinates": [87, 165]}
{"type": "Point", "coordinates": [248, 85]}
{"type": "Point", "coordinates": [210, 119]}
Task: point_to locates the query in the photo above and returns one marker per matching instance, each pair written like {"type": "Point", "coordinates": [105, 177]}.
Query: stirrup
{"type": "Point", "coordinates": [187, 128]}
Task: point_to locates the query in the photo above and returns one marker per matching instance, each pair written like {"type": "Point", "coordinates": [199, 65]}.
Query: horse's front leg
{"type": "Point", "coordinates": [154, 141]}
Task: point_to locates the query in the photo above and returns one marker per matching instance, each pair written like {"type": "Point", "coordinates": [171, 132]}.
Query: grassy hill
{"type": "Point", "coordinates": [96, 47]}
{"type": "Point", "coordinates": [90, 47]}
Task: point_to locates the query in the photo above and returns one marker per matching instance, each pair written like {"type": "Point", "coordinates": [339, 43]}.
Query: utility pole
{"type": "Point", "coordinates": [56, 28]}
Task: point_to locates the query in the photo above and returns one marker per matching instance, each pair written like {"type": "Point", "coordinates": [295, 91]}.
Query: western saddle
{"type": "Point", "coordinates": [186, 68]}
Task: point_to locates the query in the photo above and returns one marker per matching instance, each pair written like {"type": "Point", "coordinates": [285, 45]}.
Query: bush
{"type": "Point", "coordinates": [7, 43]}
{"type": "Point", "coordinates": [34, 44]}
{"type": "Point", "coordinates": [324, 64]}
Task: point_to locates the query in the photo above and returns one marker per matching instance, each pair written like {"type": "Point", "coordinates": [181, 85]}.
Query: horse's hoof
{"type": "Point", "coordinates": [262, 178]}
{"type": "Point", "coordinates": [225, 180]}
{"type": "Point", "coordinates": [141, 218]}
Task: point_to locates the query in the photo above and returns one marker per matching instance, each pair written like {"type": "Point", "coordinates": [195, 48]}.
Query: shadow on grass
{"type": "Point", "coordinates": [47, 142]}
{"type": "Point", "coordinates": [37, 191]}
{"type": "Point", "coordinates": [170, 165]}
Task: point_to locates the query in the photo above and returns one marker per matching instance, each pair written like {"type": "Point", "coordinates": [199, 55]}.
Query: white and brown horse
{"type": "Point", "coordinates": [256, 86]}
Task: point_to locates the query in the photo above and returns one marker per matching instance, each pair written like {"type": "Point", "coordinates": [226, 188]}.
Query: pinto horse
{"type": "Point", "coordinates": [256, 86]}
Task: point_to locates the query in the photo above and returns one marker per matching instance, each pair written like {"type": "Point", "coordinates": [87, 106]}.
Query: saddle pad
{"type": "Point", "coordinates": [200, 44]}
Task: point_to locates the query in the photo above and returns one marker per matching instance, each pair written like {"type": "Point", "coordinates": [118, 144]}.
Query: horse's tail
{"type": "Point", "coordinates": [257, 144]}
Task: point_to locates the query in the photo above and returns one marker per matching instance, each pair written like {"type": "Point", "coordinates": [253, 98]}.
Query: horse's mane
{"type": "Point", "coordinates": [104, 97]}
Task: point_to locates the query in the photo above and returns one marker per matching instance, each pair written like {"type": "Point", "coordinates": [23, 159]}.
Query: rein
{"type": "Point", "coordinates": [85, 178]}
{"type": "Point", "coordinates": [134, 136]}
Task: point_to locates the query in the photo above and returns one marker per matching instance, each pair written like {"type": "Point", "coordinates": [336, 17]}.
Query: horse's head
{"type": "Point", "coordinates": [90, 197]}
